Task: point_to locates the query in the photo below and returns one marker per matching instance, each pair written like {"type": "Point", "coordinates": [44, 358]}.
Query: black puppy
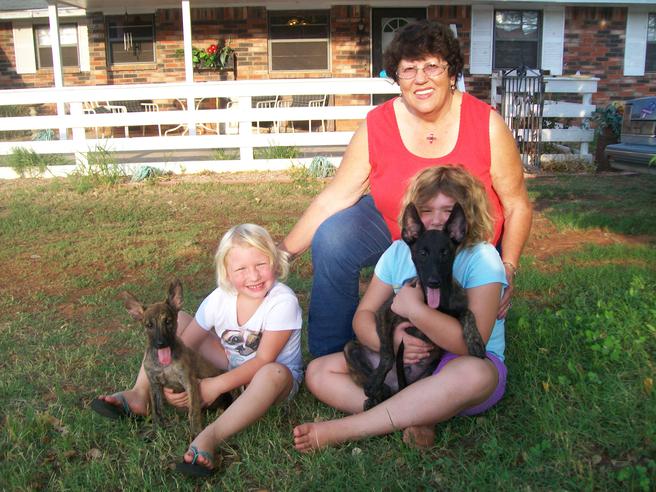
{"type": "Point", "coordinates": [433, 253]}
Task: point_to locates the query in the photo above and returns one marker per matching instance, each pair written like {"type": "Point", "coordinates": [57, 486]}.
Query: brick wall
{"type": "Point", "coordinates": [8, 76]}
{"type": "Point", "coordinates": [594, 45]}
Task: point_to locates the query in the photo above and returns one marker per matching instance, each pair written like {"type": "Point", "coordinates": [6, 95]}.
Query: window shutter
{"type": "Point", "coordinates": [480, 52]}
{"type": "Point", "coordinates": [460, 83]}
{"type": "Point", "coordinates": [24, 47]}
{"type": "Point", "coordinates": [635, 48]}
{"type": "Point", "coordinates": [553, 38]}
{"type": "Point", "coordinates": [83, 46]}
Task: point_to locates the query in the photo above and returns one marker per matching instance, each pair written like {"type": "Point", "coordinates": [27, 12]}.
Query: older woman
{"type": "Point", "coordinates": [430, 124]}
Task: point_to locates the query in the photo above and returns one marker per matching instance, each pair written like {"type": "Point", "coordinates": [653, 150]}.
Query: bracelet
{"type": "Point", "coordinates": [512, 267]}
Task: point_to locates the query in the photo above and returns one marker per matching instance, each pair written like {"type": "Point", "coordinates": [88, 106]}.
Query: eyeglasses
{"type": "Point", "coordinates": [431, 70]}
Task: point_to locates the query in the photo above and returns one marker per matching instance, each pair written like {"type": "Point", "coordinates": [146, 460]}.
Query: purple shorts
{"type": "Point", "coordinates": [498, 392]}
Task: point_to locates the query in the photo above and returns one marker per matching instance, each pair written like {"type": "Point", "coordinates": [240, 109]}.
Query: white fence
{"type": "Point", "coordinates": [577, 89]}
{"type": "Point", "coordinates": [233, 127]}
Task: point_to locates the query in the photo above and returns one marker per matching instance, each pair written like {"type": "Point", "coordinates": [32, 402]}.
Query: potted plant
{"type": "Point", "coordinates": [219, 56]}
{"type": "Point", "coordinates": [609, 128]}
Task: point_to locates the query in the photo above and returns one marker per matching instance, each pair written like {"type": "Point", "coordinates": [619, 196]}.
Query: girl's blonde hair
{"type": "Point", "coordinates": [455, 182]}
{"type": "Point", "coordinates": [249, 235]}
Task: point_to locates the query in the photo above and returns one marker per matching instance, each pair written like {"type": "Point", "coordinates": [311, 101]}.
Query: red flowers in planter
{"type": "Point", "coordinates": [214, 56]}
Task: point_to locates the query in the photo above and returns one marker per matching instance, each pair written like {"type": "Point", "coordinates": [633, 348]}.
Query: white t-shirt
{"type": "Point", "coordinates": [279, 311]}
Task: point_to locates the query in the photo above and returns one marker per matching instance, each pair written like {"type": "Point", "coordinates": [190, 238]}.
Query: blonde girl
{"type": "Point", "coordinates": [250, 327]}
{"type": "Point", "coordinates": [461, 384]}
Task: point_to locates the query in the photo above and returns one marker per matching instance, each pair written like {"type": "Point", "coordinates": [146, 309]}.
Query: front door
{"type": "Point", "coordinates": [385, 23]}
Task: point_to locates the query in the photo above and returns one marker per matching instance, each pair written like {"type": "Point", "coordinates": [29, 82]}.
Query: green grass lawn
{"type": "Point", "coordinates": [579, 413]}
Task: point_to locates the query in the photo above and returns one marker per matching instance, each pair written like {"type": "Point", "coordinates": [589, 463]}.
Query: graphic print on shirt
{"type": "Point", "coordinates": [240, 345]}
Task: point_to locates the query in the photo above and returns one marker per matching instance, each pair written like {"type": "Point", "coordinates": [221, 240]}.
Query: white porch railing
{"type": "Point", "coordinates": [579, 89]}
{"type": "Point", "coordinates": [235, 125]}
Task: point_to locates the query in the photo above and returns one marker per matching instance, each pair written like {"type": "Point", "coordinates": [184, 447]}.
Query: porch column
{"type": "Point", "coordinates": [57, 69]}
{"type": "Point", "coordinates": [189, 69]}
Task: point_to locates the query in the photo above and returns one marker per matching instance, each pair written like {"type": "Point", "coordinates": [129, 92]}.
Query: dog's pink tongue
{"type": "Point", "coordinates": [433, 297]}
{"type": "Point", "coordinates": [164, 356]}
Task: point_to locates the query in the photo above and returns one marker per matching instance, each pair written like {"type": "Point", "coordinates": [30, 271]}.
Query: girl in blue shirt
{"type": "Point", "coordinates": [461, 384]}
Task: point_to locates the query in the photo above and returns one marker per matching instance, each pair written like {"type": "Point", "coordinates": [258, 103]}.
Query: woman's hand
{"type": "Point", "coordinates": [408, 300]}
{"type": "Point", "coordinates": [414, 349]}
{"type": "Point", "coordinates": [505, 302]}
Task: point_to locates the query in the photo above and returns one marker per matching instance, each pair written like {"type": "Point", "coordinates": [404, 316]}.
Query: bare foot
{"type": "Point", "coordinates": [311, 436]}
{"type": "Point", "coordinates": [419, 436]}
{"type": "Point", "coordinates": [137, 403]}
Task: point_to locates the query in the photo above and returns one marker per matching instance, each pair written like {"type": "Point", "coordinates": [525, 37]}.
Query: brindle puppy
{"type": "Point", "coordinates": [433, 253]}
{"type": "Point", "coordinates": [168, 362]}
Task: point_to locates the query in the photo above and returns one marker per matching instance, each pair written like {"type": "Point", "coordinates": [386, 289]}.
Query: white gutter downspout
{"type": "Point", "coordinates": [57, 68]}
{"type": "Point", "coordinates": [189, 69]}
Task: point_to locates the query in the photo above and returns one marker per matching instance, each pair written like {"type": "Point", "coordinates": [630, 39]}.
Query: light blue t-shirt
{"type": "Point", "coordinates": [474, 266]}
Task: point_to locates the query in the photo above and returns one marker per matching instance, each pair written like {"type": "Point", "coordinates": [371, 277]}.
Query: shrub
{"type": "Point", "coordinates": [276, 152]}
{"type": "Point", "coordinates": [98, 168]}
{"type": "Point", "coordinates": [609, 117]}
{"type": "Point", "coordinates": [27, 163]}
{"type": "Point", "coordinates": [566, 163]}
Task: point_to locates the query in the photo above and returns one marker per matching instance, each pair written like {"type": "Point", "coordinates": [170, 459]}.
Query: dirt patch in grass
{"type": "Point", "coordinates": [244, 177]}
{"type": "Point", "coordinates": [546, 241]}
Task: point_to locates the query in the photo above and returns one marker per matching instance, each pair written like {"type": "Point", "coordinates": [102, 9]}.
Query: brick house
{"type": "Point", "coordinates": [115, 42]}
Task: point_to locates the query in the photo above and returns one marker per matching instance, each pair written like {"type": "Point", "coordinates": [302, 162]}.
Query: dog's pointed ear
{"type": "Point", "coordinates": [175, 295]}
{"type": "Point", "coordinates": [456, 226]}
{"type": "Point", "coordinates": [413, 227]}
{"type": "Point", "coordinates": [134, 307]}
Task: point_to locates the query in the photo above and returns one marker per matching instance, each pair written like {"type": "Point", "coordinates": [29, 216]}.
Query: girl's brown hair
{"type": "Point", "coordinates": [455, 182]}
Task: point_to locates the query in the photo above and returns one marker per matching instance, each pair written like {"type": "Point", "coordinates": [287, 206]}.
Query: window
{"type": "Point", "coordinates": [67, 41]}
{"type": "Point", "coordinates": [517, 38]}
{"type": "Point", "coordinates": [299, 42]}
{"type": "Point", "coordinates": [131, 39]}
{"type": "Point", "coordinates": [650, 59]}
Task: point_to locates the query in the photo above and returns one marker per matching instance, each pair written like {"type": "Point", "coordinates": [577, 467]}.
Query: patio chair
{"type": "Point", "coordinates": [212, 127]}
{"type": "Point", "coordinates": [119, 110]}
{"type": "Point", "coordinates": [260, 102]}
{"type": "Point", "coordinates": [232, 127]}
{"type": "Point", "coordinates": [185, 127]}
{"type": "Point", "coordinates": [283, 103]}
{"type": "Point", "coordinates": [93, 107]}
{"type": "Point", "coordinates": [150, 107]}
{"type": "Point", "coordinates": [182, 126]}
{"type": "Point", "coordinates": [310, 101]}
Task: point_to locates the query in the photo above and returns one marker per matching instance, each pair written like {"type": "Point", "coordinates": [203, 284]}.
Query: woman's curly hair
{"type": "Point", "coordinates": [420, 39]}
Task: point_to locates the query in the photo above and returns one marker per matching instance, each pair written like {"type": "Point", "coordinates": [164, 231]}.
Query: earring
{"type": "Point", "coordinates": [453, 87]}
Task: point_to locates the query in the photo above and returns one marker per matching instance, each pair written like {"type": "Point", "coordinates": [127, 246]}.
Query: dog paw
{"type": "Point", "coordinates": [369, 404]}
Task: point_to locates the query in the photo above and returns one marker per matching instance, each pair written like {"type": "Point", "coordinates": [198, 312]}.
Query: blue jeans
{"type": "Point", "coordinates": [343, 244]}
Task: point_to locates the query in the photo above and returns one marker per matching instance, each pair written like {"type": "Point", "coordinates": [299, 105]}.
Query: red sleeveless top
{"type": "Point", "coordinates": [393, 165]}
